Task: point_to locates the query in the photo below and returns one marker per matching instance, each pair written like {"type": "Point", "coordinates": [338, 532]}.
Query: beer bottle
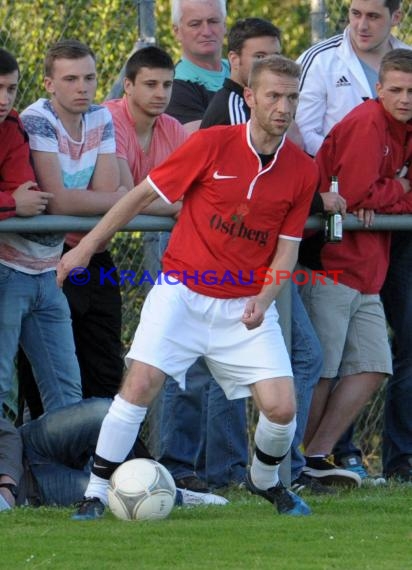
{"type": "Point", "coordinates": [333, 223]}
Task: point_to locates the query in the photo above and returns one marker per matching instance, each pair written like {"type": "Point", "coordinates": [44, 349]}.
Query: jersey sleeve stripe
{"type": "Point", "coordinates": [156, 189]}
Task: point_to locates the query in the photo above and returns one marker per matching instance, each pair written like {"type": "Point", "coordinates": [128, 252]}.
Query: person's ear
{"type": "Point", "coordinates": [127, 84]}
{"type": "Point", "coordinates": [379, 89]}
{"type": "Point", "coordinates": [249, 96]}
{"type": "Point", "coordinates": [49, 85]}
{"type": "Point", "coordinates": [233, 58]}
{"type": "Point", "coordinates": [176, 31]}
{"type": "Point", "coordinates": [396, 18]}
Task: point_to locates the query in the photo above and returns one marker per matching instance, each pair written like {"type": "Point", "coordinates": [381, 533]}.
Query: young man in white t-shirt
{"type": "Point", "coordinates": [33, 311]}
{"type": "Point", "coordinates": [73, 148]}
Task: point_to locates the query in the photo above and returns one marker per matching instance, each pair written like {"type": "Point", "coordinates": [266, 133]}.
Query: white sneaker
{"type": "Point", "coordinates": [193, 498]}
{"type": "Point", "coordinates": [4, 505]}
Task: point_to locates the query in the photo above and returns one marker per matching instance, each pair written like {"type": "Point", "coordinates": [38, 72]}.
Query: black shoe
{"type": "Point", "coordinates": [307, 483]}
{"type": "Point", "coordinates": [192, 483]}
{"type": "Point", "coordinates": [402, 473]}
{"type": "Point", "coordinates": [89, 509]}
{"type": "Point", "coordinates": [286, 502]}
{"type": "Point", "coordinates": [327, 472]}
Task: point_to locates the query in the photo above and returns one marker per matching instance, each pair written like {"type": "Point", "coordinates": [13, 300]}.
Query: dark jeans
{"type": "Point", "coordinates": [96, 310]}
{"type": "Point", "coordinates": [58, 447]}
{"type": "Point", "coordinates": [397, 301]}
{"type": "Point", "coordinates": [202, 431]}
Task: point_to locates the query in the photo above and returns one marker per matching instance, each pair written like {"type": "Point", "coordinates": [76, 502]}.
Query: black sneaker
{"type": "Point", "coordinates": [305, 483]}
{"type": "Point", "coordinates": [89, 509]}
{"type": "Point", "coordinates": [192, 483]}
{"type": "Point", "coordinates": [286, 502]}
{"type": "Point", "coordinates": [324, 469]}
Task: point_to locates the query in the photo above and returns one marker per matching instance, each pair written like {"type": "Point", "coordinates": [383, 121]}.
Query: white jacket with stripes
{"type": "Point", "coordinates": [332, 84]}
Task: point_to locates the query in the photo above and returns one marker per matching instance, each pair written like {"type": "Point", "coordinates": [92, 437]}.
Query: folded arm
{"type": "Point", "coordinates": [105, 186]}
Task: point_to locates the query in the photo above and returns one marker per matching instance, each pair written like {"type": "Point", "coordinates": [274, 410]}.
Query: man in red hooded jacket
{"type": "Point", "coordinates": [369, 151]}
{"type": "Point", "coordinates": [18, 195]}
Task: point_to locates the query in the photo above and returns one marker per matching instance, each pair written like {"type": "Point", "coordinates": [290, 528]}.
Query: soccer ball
{"type": "Point", "coordinates": [141, 489]}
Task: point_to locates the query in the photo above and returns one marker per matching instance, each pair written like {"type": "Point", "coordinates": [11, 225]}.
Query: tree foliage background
{"type": "Point", "coordinates": [110, 27]}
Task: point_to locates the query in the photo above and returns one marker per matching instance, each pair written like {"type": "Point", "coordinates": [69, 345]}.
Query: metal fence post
{"type": "Point", "coordinates": [318, 20]}
{"type": "Point", "coordinates": [146, 26]}
{"type": "Point", "coordinates": [284, 307]}
{"type": "Point", "coordinates": [146, 21]}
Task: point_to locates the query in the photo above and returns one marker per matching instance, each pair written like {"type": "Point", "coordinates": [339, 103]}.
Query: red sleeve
{"type": "Point", "coordinates": [15, 165]}
{"type": "Point", "coordinates": [403, 206]}
{"type": "Point", "coordinates": [355, 153]}
{"type": "Point", "coordinates": [176, 175]}
{"type": "Point", "coordinates": [7, 206]}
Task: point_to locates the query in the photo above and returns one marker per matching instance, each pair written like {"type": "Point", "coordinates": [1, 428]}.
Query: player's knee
{"type": "Point", "coordinates": [281, 413]}
{"type": "Point", "coordinates": [142, 383]}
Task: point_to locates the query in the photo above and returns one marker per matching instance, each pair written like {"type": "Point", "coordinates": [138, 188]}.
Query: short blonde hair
{"type": "Point", "coordinates": [275, 64]}
{"type": "Point", "coordinates": [395, 60]}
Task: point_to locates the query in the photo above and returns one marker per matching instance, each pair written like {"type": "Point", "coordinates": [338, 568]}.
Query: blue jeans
{"type": "Point", "coordinates": [198, 430]}
{"type": "Point", "coordinates": [58, 447]}
{"type": "Point", "coordinates": [34, 312]}
{"type": "Point", "coordinates": [307, 366]}
{"type": "Point", "coordinates": [397, 301]}
{"type": "Point", "coordinates": [202, 431]}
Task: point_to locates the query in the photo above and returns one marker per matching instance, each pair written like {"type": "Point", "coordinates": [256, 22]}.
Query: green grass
{"type": "Point", "coordinates": [366, 529]}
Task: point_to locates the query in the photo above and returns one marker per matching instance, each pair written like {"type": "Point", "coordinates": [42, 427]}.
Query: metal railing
{"type": "Point", "coordinates": [52, 223]}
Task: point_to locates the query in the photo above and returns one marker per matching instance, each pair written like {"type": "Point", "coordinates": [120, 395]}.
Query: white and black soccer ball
{"type": "Point", "coordinates": [141, 490]}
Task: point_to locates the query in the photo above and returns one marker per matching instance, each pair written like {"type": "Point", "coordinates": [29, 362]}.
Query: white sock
{"type": "Point", "coordinates": [273, 440]}
{"type": "Point", "coordinates": [264, 476]}
{"type": "Point", "coordinates": [117, 436]}
{"type": "Point", "coordinates": [97, 487]}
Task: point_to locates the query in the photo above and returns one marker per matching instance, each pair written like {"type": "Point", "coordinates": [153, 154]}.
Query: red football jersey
{"type": "Point", "coordinates": [234, 210]}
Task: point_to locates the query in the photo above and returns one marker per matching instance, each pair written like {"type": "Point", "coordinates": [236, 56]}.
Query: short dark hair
{"type": "Point", "coordinates": [248, 28]}
{"type": "Point", "coordinates": [152, 57]}
{"type": "Point", "coordinates": [392, 5]}
{"type": "Point", "coordinates": [277, 64]}
{"type": "Point", "coordinates": [395, 60]}
{"type": "Point", "coordinates": [8, 63]}
{"type": "Point", "coordinates": [65, 49]}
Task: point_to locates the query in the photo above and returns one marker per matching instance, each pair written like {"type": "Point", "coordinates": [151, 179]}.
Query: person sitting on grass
{"type": "Point", "coordinates": [46, 461]}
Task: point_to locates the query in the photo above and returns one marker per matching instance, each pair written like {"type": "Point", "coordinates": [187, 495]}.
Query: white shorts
{"type": "Point", "coordinates": [178, 325]}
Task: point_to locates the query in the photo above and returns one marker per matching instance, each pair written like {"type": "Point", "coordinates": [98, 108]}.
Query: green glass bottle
{"type": "Point", "coordinates": [333, 223]}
